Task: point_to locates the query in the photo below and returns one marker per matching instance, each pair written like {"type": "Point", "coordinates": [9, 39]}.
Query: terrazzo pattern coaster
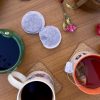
{"type": "Point", "coordinates": [50, 37]}
{"type": "Point", "coordinates": [33, 22]}
{"type": "Point", "coordinates": [83, 47]}
{"type": "Point", "coordinates": [41, 67]}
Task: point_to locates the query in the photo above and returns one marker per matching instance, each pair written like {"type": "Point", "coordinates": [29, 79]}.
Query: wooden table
{"type": "Point", "coordinates": [11, 12]}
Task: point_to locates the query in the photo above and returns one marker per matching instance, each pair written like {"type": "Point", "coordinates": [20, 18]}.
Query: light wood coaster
{"type": "Point", "coordinates": [41, 67]}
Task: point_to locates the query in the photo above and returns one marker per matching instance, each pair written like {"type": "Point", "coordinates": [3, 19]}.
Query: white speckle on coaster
{"type": "Point", "coordinates": [33, 22]}
{"type": "Point", "coordinates": [50, 37]}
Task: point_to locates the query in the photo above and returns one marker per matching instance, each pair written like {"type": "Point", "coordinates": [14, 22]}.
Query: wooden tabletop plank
{"type": "Point", "coordinates": [11, 12]}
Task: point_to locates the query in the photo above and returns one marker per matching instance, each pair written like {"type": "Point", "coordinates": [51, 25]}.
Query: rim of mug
{"type": "Point", "coordinates": [38, 79]}
{"type": "Point", "coordinates": [20, 44]}
{"type": "Point", "coordinates": [39, 71]}
{"type": "Point", "coordinates": [83, 88]}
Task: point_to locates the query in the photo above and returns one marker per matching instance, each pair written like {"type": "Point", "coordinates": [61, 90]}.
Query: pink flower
{"type": "Point", "coordinates": [71, 28]}
{"type": "Point", "coordinates": [98, 29]}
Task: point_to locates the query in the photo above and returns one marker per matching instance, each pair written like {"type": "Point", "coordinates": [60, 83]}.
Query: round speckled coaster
{"type": "Point", "coordinates": [50, 37]}
{"type": "Point", "coordinates": [41, 67]}
{"type": "Point", "coordinates": [33, 22]}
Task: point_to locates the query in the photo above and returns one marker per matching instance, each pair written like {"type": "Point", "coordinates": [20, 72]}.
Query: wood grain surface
{"type": "Point", "coordinates": [11, 12]}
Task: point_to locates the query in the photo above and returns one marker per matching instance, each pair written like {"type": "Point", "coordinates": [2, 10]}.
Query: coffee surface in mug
{"type": "Point", "coordinates": [88, 72]}
{"type": "Point", "coordinates": [9, 52]}
{"type": "Point", "coordinates": [36, 91]}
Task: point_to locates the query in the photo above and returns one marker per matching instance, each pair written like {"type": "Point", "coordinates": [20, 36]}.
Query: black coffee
{"type": "Point", "coordinates": [9, 52]}
{"type": "Point", "coordinates": [36, 91]}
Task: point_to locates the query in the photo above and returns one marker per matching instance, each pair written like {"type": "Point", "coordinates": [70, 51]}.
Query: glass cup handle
{"type": "Point", "coordinates": [12, 78]}
{"type": "Point", "coordinates": [69, 70]}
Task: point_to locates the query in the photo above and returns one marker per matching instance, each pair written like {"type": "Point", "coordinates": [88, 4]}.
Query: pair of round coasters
{"type": "Point", "coordinates": [33, 23]}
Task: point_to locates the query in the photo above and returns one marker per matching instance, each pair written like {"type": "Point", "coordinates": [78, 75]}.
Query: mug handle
{"type": "Point", "coordinates": [12, 78]}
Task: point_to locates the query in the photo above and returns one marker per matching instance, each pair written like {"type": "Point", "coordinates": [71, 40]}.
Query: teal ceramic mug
{"type": "Point", "coordinates": [11, 50]}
